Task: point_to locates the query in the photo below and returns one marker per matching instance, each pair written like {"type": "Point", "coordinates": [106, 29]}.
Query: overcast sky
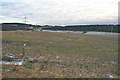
{"type": "Point", "coordinates": [60, 12]}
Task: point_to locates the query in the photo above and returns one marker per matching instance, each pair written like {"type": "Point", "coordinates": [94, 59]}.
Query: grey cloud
{"type": "Point", "coordinates": [62, 11]}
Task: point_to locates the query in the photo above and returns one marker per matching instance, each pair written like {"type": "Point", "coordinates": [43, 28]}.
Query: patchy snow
{"type": "Point", "coordinates": [111, 76]}
{"type": "Point", "coordinates": [115, 63]}
{"type": "Point", "coordinates": [17, 61]}
{"type": "Point", "coordinates": [10, 55]}
{"type": "Point", "coordinates": [13, 63]}
{"type": "Point", "coordinates": [57, 57]}
{"type": "Point", "coordinates": [41, 57]}
{"type": "Point", "coordinates": [0, 62]}
{"type": "Point", "coordinates": [25, 44]}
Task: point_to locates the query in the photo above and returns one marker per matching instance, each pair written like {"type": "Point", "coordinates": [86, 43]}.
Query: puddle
{"type": "Point", "coordinates": [81, 32]}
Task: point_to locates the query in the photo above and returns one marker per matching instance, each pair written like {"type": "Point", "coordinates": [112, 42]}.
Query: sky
{"type": "Point", "coordinates": [59, 12]}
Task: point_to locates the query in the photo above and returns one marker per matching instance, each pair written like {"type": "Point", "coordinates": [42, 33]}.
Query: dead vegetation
{"type": "Point", "coordinates": [60, 55]}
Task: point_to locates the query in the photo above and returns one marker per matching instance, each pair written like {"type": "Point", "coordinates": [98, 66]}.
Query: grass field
{"type": "Point", "coordinates": [62, 55]}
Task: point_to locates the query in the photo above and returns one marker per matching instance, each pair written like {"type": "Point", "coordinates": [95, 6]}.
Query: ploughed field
{"type": "Point", "coordinates": [59, 55]}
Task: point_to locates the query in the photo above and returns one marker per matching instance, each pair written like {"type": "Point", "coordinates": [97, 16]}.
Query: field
{"type": "Point", "coordinates": [60, 55]}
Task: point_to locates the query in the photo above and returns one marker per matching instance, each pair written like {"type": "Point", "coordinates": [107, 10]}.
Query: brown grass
{"type": "Point", "coordinates": [80, 55]}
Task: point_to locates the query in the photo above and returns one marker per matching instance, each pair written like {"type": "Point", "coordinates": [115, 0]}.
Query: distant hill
{"type": "Point", "coordinates": [17, 26]}
{"type": "Point", "coordinates": [23, 26]}
{"type": "Point", "coordinates": [102, 28]}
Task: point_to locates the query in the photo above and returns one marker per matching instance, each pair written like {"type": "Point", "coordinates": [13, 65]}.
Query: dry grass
{"type": "Point", "coordinates": [65, 55]}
